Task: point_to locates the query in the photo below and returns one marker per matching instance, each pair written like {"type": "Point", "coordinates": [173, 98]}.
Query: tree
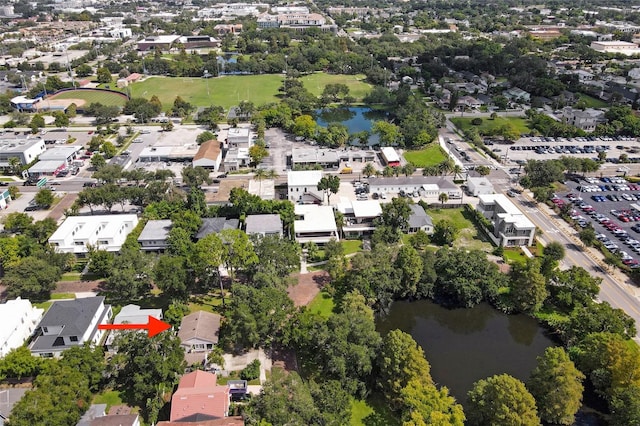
{"type": "Point", "coordinates": [61, 119]}
{"type": "Point", "coordinates": [101, 262]}
{"type": "Point", "coordinates": [170, 275]}
{"type": "Point", "coordinates": [44, 198]}
{"type": "Point", "coordinates": [330, 184]}
{"type": "Point", "coordinates": [598, 317]}
{"type": "Point", "coordinates": [444, 232]}
{"type": "Point", "coordinates": [195, 176]}
{"type": "Point", "coordinates": [257, 153]}
{"type": "Point", "coordinates": [17, 223]}
{"type": "Point", "coordinates": [501, 400]}
{"type": "Point", "coordinates": [71, 110]}
{"type": "Point", "coordinates": [305, 126]}
{"type": "Point", "coordinates": [31, 278]}
{"type": "Point", "coordinates": [204, 137]}
{"type": "Point", "coordinates": [19, 363]}
{"type": "Point", "coordinates": [424, 404]}
{"type": "Point", "coordinates": [587, 236]}
{"type": "Point", "coordinates": [410, 265]}
{"type": "Point", "coordinates": [443, 198]}
{"type": "Point", "coordinates": [83, 70]}
{"type": "Point", "coordinates": [556, 385]}
{"type": "Point", "coordinates": [103, 75]}
{"type": "Point", "coordinates": [238, 251]}
{"type": "Point", "coordinates": [37, 122]}
{"type": "Point", "coordinates": [98, 161]}
{"type": "Point", "coordinates": [400, 360]}
{"type": "Point", "coordinates": [396, 214]}
{"type": "Point", "coordinates": [551, 255]}
{"type": "Point", "coordinates": [368, 170]}
{"type": "Point", "coordinates": [276, 255]}
{"type": "Point", "coordinates": [528, 286]}
{"type": "Point", "coordinates": [167, 127]}
{"type": "Point", "coordinates": [144, 369]}
{"type": "Point", "coordinates": [483, 170]}
{"type": "Point", "coordinates": [625, 407]}
{"type": "Point", "coordinates": [389, 133]}
{"type": "Point", "coordinates": [574, 287]}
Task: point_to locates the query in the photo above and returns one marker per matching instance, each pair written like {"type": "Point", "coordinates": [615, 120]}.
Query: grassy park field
{"type": "Point", "coordinates": [91, 96]}
{"type": "Point", "coordinates": [488, 125]}
{"type": "Point", "coordinates": [228, 91]}
{"type": "Point", "coordinates": [429, 156]}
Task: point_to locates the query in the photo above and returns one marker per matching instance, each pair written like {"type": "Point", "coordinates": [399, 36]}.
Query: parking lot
{"type": "Point", "coordinates": [612, 206]}
{"type": "Point", "coordinates": [543, 148]}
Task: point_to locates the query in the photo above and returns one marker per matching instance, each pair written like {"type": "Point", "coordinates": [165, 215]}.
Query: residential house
{"type": "Point", "coordinates": [238, 137]}
{"type": "Point", "coordinates": [419, 220]}
{"type": "Point", "coordinates": [70, 323]}
{"type": "Point", "coordinates": [303, 186]}
{"type": "Point", "coordinates": [479, 186]}
{"type": "Point", "coordinates": [227, 421]}
{"type": "Point", "coordinates": [154, 235]}
{"type": "Point", "coordinates": [236, 159]}
{"type": "Point", "coordinates": [131, 314]}
{"type": "Point", "coordinates": [469, 102]}
{"type": "Point", "coordinates": [199, 331]}
{"type": "Point", "coordinates": [516, 94]}
{"type": "Point", "coordinates": [359, 217]}
{"type": "Point", "coordinates": [96, 416]}
{"type": "Point", "coordinates": [199, 398]}
{"type": "Point", "coordinates": [586, 120]}
{"type": "Point", "coordinates": [19, 319]}
{"type": "Point", "coordinates": [583, 76]}
{"type": "Point", "coordinates": [314, 223]}
{"type": "Point", "coordinates": [103, 232]}
{"type": "Point", "coordinates": [209, 156]}
{"type": "Point", "coordinates": [510, 226]}
{"type": "Point", "coordinates": [213, 225]}
{"type": "Point", "coordinates": [263, 224]}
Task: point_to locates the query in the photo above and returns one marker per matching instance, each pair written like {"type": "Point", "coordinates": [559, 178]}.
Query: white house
{"type": "Point", "coordinates": [419, 220]}
{"type": "Point", "coordinates": [586, 120]}
{"type": "Point", "coordinates": [315, 223]}
{"type": "Point", "coordinates": [19, 319]}
{"type": "Point", "coordinates": [517, 95]}
{"type": "Point", "coordinates": [303, 186]}
{"type": "Point", "coordinates": [479, 186]}
{"type": "Point", "coordinates": [510, 226]}
{"type": "Point", "coordinates": [359, 216]}
{"type": "Point", "coordinates": [104, 232]}
{"type": "Point", "coordinates": [209, 155]}
{"type": "Point", "coordinates": [154, 235]}
{"type": "Point", "coordinates": [199, 331]}
{"type": "Point", "coordinates": [70, 323]}
{"type": "Point", "coordinates": [238, 137]}
{"type": "Point", "coordinates": [132, 314]}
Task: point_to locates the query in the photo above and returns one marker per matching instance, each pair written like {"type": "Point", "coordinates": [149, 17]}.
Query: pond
{"type": "Point", "coordinates": [466, 345]}
{"type": "Point", "coordinates": [356, 119]}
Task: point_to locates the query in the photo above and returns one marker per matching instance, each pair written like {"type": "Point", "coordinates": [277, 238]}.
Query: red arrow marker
{"type": "Point", "coordinates": [153, 327]}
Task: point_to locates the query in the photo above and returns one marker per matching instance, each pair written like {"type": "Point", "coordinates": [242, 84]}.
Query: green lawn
{"type": "Point", "coordinates": [58, 296]}
{"type": "Point", "coordinates": [468, 237]}
{"type": "Point", "coordinates": [71, 276]}
{"type": "Point", "coordinates": [488, 125]}
{"type": "Point", "coordinates": [209, 303]}
{"type": "Point", "coordinates": [228, 91]}
{"type": "Point", "coordinates": [43, 305]}
{"type": "Point", "coordinates": [514, 255]}
{"type": "Point", "coordinates": [322, 304]}
{"type": "Point", "coordinates": [109, 397]}
{"type": "Point", "coordinates": [593, 102]}
{"type": "Point", "coordinates": [316, 82]}
{"type": "Point", "coordinates": [429, 156]}
{"type": "Point", "coordinates": [91, 96]}
{"type": "Point", "coordinates": [371, 412]}
{"type": "Point", "coordinates": [351, 246]}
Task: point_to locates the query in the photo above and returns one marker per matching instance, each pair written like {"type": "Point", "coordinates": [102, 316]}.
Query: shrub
{"type": "Point", "coordinates": [476, 121]}
{"type": "Point", "coordinates": [251, 371]}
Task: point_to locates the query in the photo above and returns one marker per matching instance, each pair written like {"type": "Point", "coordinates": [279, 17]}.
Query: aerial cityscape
{"type": "Point", "coordinates": [319, 213]}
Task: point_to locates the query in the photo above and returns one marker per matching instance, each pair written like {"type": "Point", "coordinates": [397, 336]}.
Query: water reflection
{"type": "Point", "coordinates": [356, 119]}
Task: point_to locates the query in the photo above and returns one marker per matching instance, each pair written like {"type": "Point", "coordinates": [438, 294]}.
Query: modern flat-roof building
{"type": "Point", "coordinates": [154, 235]}
{"type": "Point", "coordinates": [169, 151]}
{"type": "Point", "coordinates": [359, 217]}
{"type": "Point", "coordinates": [315, 223]}
{"type": "Point", "coordinates": [427, 186]}
{"type": "Point", "coordinates": [303, 186]}
{"type": "Point", "coordinates": [47, 168]}
{"type": "Point", "coordinates": [510, 226]}
{"type": "Point", "coordinates": [623, 47]}
{"type": "Point", "coordinates": [60, 153]}
{"type": "Point", "coordinates": [19, 319]}
{"type": "Point", "coordinates": [70, 323]}
{"type": "Point", "coordinates": [238, 137]}
{"type": "Point", "coordinates": [479, 186]}
{"type": "Point", "coordinates": [24, 150]}
{"type": "Point", "coordinates": [103, 232]}
{"type": "Point", "coordinates": [162, 42]}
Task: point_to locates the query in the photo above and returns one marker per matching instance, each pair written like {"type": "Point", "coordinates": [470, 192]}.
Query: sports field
{"type": "Point", "coordinates": [81, 97]}
{"type": "Point", "coordinates": [228, 91]}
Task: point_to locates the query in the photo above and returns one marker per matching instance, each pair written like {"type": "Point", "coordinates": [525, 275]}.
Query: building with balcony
{"type": "Point", "coordinates": [359, 217]}
{"type": "Point", "coordinates": [19, 319]}
{"type": "Point", "coordinates": [103, 232]}
{"type": "Point", "coordinates": [303, 186]}
{"type": "Point", "coordinates": [510, 226]}
{"type": "Point", "coordinates": [315, 223]}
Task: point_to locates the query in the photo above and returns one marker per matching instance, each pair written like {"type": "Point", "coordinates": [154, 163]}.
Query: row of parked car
{"type": "Point", "coordinates": [562, 149]}
{"type": "Point", "coordinates": [583, 139]}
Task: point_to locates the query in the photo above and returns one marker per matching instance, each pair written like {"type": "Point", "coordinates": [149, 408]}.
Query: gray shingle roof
{"type": "Point", "coordinates": [263, 223]}
{"type": "Point", "coordinates": [213, 225]}
{"type": "Point", "coordinates": [419, 217]}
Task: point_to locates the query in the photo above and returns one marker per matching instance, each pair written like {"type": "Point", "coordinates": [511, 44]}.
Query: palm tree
{"type": "Point", "coordinates": [408, 169]}
{"type": "Point", "coordinates": [14, 164]}
{"type": "Point", "coordinates": [388, 171]}
{"type": "Point", "coordinates": [368, 170]}
{"type": "Point", "coordinates": [339, 217]}
{"type": "Point", "coordinates": [457, 171]}
{"type": "Point", "coordinates": [443, 198]}
{"type": "Point", "coordinates": [272, 174]}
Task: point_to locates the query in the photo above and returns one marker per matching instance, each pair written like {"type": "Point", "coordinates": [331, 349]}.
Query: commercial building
{"type": "Point", "coordinates": [25, 150]}
{"type": "Point", "coordinates": [623, 47]}
{"type": "Point", "coordinates": [426, 186]}
{"type": "Point", "coordinates": [303, 186]}
{"type": "Point", "coordinates": [154, 235]}
{"type": "Point", "coordinates": [47, 168]}
{"type": "Point", "coordinates": [70, 323]}
{"type": "Point", "coordinates": [479, 186]}
{"type": "Point", "coordinates": [19, 319]}
{"type": "Point", "coordinates": [103, 232]}
{"type": "Point", "coordinates": [238, 137]}
{"type": "Point", "coordinates": [162, 42]}
{"type": "Point", "coordinates": [236, 158]}
{"type": "Point", "coordinates": [169, 150]}
{"type": "Point", "coordinates": [510, 226]}
{"type": "Point", "coordinates": [314, 224]}
{"type": "Point", "coordinates": [390, 156]}
{"type": "Point", "coordinates": [61, 153]}
{"type": "Point", "coordinates": [209, 156]}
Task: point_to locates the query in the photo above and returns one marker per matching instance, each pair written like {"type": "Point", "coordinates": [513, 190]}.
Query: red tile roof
{"type": "Point", "coordinates": [199, 398]}
{"type": "Point", "coordinates": [228, 421]}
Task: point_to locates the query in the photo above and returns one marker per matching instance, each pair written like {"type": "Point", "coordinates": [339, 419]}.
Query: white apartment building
{"type": "Point", "coordinates": [104, 232]}
{"type": "Point", "coordinates": [623, 47]}
{"type": "Point", "coordinates": [510, 226]}
{"type": "Point", "coordinates": [19, 319]}
{"type": "Point", "coordinates": [303, 186]}
{"type": "Point", "coordinates": [315, 223]}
